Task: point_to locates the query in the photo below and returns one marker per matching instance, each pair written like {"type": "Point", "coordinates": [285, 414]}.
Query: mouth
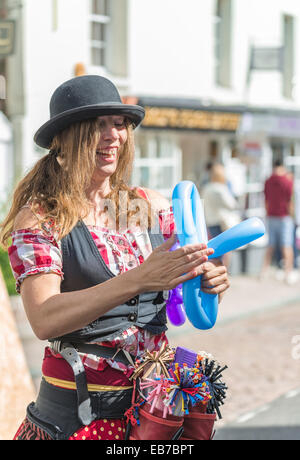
{"type": "Point", "coordinates": [108, 153]}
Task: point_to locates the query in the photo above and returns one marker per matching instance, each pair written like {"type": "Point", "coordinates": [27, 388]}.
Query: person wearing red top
{"type": "Point", "coordinates": [278, 192]}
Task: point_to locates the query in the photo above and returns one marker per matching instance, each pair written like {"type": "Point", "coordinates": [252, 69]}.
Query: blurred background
{"type": "Point", "coordinates": [220, 82]}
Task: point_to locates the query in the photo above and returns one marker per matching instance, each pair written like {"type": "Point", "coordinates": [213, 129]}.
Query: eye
{"type": "Point", "coordinates": [118, 120]}
{"type": "Point", "coordinates": [119, 124]}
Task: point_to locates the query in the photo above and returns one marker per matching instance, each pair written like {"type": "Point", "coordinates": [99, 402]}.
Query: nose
{"type": "Point", "coordinates": [109, 131]}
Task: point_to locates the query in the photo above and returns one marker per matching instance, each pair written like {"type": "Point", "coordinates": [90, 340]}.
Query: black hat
{"type": "Point", "coordinates": [82, 98]}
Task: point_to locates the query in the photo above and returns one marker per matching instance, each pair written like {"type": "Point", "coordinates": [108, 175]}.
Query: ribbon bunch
{"type": "Point", "coordinates": [190, 388]}
{"type": "Point", "coordinates": [159, 388]}
{"type": "Point", "coordinates": [175, 394]}
{"type": "Point", "coordinates": [213, 373]}
{"type": "Point", "coordinates": [174, 387]}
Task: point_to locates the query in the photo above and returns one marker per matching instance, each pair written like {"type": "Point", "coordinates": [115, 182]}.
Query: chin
{"type": "Point", "coordinates": [104, 171]}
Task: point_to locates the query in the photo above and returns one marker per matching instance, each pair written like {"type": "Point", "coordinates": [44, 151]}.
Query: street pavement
{"type": "Point", "coordinates": [248, 296]}
{"type": "Point", "coordinates": [256, 317]}
{"type": "Point", "coordinates": [276, 421]}
{"type": "Point", "coordinates": [258, 309]}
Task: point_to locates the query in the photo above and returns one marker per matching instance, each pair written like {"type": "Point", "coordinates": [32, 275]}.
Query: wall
{"type": "Point", "coordinates": [50, 57]}
{"type": "Point", "coordinates": [171, 50]}
{"type": "Point", "coordinates": [168, 51]}
{"type": "Point", "coordinates": [6, 158]}
{"type": "Point", "coordinates": [170, 47]}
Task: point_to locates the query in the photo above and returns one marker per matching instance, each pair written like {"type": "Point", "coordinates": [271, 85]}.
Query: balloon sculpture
{"type": "Point", "coordinates": [202, 308]}
{"type": "Point", "coordinates": [175, 307]}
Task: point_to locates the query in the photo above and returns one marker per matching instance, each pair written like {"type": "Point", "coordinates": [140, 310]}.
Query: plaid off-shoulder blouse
{"type": "Point", "coordinates": [35, 251]}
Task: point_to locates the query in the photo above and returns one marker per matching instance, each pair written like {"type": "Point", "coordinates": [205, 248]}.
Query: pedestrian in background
{"type": "Point", "coordinates": [219, 204]}
{"type": "Point", "coordinates": [295, 212]}
{"type": "Point", "coordinates": [278, 192]}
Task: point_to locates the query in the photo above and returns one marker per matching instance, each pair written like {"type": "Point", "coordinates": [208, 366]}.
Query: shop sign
{"type": "Point", "coordinates": [281, 125]}
{"type": "Point", "coordinates": [175, 118]}
{"type": "Point", "coordinates": [7, 37]}
{"type": "Point", "coordinates": [252, 149]}
{"type": "Point", "coordinates": [267, 58]}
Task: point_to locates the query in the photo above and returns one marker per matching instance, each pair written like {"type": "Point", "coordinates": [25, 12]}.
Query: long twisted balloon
{"type": "Point", "coordinates": [202, 308]}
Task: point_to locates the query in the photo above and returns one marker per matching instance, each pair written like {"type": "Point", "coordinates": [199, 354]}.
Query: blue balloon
{"type": "Point", "coordinates": [237, 236]}
{"type": "Point", "coordinates": [202, 308]}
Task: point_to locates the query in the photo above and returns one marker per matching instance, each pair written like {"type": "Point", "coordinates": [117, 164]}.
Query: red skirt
{"type": "Point", "coordinates": [108, 430]}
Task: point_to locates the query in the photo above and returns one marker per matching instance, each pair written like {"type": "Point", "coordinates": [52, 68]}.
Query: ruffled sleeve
{"type": "Point", "coordinates": [33, 251]}
{"type": "Point", "coordinates": [167, 223]}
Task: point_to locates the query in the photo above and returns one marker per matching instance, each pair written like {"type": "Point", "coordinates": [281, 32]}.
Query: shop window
{"type": "Point", "coordinates": [213, 150]}
{"type": "Point", "coordinates": [109, 37]}
{"type": "Point", "coordinates": [222, 42]}
{"type": "Point", "coordinates": [99, 24]}
{"type": "Point", "coordinates": [54, 15]}
{"type": "Point", "coordinates": [288, 67]}
{"type": "Point", "coordinates": [158, 163]}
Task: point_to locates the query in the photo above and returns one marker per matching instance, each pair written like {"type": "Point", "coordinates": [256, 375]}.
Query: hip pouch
{"type": "Point", "coordinates": [174, 401]}
{"type": "Point", "coordinates": [152, 426]}
{"type": "Point", "coordinates": [198, 425]}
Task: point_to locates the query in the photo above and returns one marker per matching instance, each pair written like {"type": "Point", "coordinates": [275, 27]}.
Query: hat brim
{"type": "Point", "coordinates": [45, 134]}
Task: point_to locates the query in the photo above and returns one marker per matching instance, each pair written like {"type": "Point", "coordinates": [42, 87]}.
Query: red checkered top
{"type": "Point", "coordinates": [35, 251]}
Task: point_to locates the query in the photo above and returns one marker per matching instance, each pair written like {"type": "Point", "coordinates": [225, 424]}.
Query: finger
{"type": "Point", "coordinates": [199, 270]}
{"type": "Point", "coordinates": [195, 265]}
{"type": "Point", "coordinates": [217, 289]}
{"type": "Point", "coordinates": [189, 271]}
{"type": "Point", "coordinates": [183, 278]}
{"type": "Point", "coordinates": [217, 261]}
{"type": "Point", "coordinates": [189, 249]}
{"type": "Point", "coordinates": [166, 246]}
{"type": "Point", "coordinates": [217, 280]}
{"type": "Point", "coordinates": [196, 258]}
{"type": "Point", "coordinates": [212, 271]}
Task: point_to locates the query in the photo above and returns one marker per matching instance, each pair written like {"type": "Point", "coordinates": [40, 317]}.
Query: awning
{"type": "Point", "coordinates": [195, 114]}
{"type": "Point", "coordinates": [187, 114]}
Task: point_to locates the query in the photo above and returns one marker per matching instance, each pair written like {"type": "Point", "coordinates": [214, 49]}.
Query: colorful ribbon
{"type": "Point", "coordinates": [155, 362]}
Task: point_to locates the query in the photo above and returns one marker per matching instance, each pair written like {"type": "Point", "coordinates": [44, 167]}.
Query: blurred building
{"type": "Point", "coordinates": [6, 136]}
{"type": "Point", "coordinates": [220, 80]}
{"type": "Point", "coordinates": [6, 163]}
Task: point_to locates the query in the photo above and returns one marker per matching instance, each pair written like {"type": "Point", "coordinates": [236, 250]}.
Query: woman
{"type": "Point", "coordinates": [220, 205]}
{"type": "Point", "coordinates": [91, 264]}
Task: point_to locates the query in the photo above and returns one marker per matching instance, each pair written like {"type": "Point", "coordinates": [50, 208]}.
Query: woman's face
{"type": "Point", "coordinates": [113, 136]}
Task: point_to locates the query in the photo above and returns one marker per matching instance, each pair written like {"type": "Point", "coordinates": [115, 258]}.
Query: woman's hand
{"type": "Point", "coordinates": [215, 278]}
{"type": "Point", "coordinates": [165, 269]}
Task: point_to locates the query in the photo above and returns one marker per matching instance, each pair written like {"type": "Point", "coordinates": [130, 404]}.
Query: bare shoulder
{"type": "Point", "coordinates": [158, 201]}
{"type": "Point", "coordinates": [26, 219]}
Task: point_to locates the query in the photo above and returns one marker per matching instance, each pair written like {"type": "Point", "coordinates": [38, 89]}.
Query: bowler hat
{"type": "Point", "coordinates": [82, 98]}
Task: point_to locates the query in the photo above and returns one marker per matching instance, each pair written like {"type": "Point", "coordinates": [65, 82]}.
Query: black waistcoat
{"type": "Point", "coordinates": [84, 267]}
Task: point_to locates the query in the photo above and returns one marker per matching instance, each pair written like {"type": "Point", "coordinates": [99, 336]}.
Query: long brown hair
{"type": "Point", "coordinates": [58, 182]}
